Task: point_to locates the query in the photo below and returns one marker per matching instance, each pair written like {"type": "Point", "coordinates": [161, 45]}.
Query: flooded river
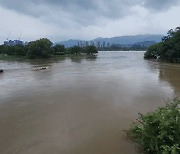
{"type": "Point", "coordinates": [80, 106]}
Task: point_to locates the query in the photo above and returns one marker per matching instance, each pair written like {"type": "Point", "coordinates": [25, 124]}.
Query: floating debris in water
{"type": "Point", "coordinates": [38, 68]}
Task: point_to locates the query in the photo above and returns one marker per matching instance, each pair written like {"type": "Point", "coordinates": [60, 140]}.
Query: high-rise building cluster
{"type": "Point", "coordinates": [98, 44]}
{"type": "Point", "coordinates": [13, 42]}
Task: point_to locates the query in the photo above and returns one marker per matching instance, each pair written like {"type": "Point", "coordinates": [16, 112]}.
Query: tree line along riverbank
{"type": "Point", "coordinates": [42, 49]}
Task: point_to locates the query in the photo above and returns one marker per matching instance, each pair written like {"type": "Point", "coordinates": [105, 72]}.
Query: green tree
{"type": "Point", "coordinates": [1, 49]}
{"type": "Point", "coordinates": [153, 51]}
{"type": "Point", "coordinates": [59, 49]}
{"type": "Point", "coordinates": [76, 50]}
{"type": "Point", "coordinates": [168, 49]}
{"type": "Point", "coordinates": [19, 50]}
{"type": "Point", "coordinates": [91, 49]}
{"type": "Point", "coordinates": [41, 48]}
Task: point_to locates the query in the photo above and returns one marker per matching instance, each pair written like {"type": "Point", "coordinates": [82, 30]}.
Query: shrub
{"type": "Point", "coordinates": [158, 131]}
{"type": "Point", "coordinates": [153, 51]}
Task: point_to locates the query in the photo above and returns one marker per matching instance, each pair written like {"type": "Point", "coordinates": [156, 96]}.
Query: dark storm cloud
{"type": "Point", "coordinates": [86, 19]}
{"type": "Point", "coordinates": [25, 7]}
{"type": "Point", "coordinates": [31, 7]}
{"type": "Point", "coordinates": [160, 5]}
{"type": "Point", "coordinates": [74, 7]}
{"type": "Point", "coordinates": [84, 12]}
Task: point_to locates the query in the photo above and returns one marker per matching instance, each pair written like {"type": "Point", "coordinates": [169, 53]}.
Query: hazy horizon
{"type": "Point", "coordinates": [110, 37]}
{"type": "Point", "coordinates": [68, 39]}
{"type": "Point", "coordinates": [87, 20]}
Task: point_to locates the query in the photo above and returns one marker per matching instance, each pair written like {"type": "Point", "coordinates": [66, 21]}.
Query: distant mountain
{"type": "Point", "coordinates": [145, 43]}
{"type": "Point", "coordinates": [69, 43]}
{"type": "Point", "coordinates": [121, 40]}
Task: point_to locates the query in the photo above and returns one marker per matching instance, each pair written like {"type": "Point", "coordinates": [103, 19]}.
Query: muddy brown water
{"type": "Point", "coordinates": [80, 106]}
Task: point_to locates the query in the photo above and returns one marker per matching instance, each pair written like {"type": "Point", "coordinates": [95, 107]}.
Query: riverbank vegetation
{"type": "Point", "coordinates": [43, 48]}
{"type": "Point", "coordinates": [159, 132]}
{"type": "Point", "coordinates": [168, 49]}
{"type": "Point", "coordinates": [119, 47]}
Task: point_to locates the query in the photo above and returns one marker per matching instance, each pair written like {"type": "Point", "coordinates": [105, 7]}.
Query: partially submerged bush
{"type": "Point", "coordinates": [159, 132]}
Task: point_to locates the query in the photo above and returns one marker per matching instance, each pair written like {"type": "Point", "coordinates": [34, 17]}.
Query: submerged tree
{"type": "Point", "coordinates": [76, 50]}
{"type": "Point", "coordinates": [91, 50]}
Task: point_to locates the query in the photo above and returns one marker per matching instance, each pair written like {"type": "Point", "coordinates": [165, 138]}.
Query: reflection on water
{"type": "Point", "coordinates": [80, 59]}
{"type": "Point", "coordinates": [80, 105]}
{"type": "Point", "coordinates": [171, 74]}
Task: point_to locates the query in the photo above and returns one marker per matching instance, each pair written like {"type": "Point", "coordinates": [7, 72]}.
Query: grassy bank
{"type": "Point", "coordinates": [158, 132]}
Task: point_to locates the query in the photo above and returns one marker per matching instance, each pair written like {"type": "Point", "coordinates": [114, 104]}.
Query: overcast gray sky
{"type": "Point", "coordinates": [86, 19]}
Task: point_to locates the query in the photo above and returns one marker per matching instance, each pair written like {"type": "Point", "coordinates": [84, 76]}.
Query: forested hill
{"type": "Point", "coordinates": [121, 40]}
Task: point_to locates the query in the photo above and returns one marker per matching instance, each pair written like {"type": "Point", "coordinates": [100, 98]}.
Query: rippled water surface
{"type": "Point", "coordinates": [80, 105]}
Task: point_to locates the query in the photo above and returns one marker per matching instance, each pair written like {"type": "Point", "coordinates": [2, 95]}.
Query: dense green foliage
{"type": "Point", "coordinates": [168, 49]}
{"type": "Point", "coordinates": [59, 49]}
{"type": "Point", "coordinates": [91, 49]}
{"type": "Point", "coordinates": [40, 49]}
{"type": "Point", "coordinates": [159, 132]}
{"type": "Point", "coordinates": [43, 48]}
{"type": "Point", "coordinates": [75, 50]}
{"type": "Point", "coordinates": [13, 50]}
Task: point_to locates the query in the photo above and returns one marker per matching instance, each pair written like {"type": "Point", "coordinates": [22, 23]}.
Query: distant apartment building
{"type": "Point", "coordinates": [104, 44]}
{"type": "Point", "coordinates": [98, 44]}
{"type": "Point", "coordinates": [83, 43]}
{"type": "Point", "coordinates": [13, 42]}
{"type": "Point", "coordinates": [87, 43]}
